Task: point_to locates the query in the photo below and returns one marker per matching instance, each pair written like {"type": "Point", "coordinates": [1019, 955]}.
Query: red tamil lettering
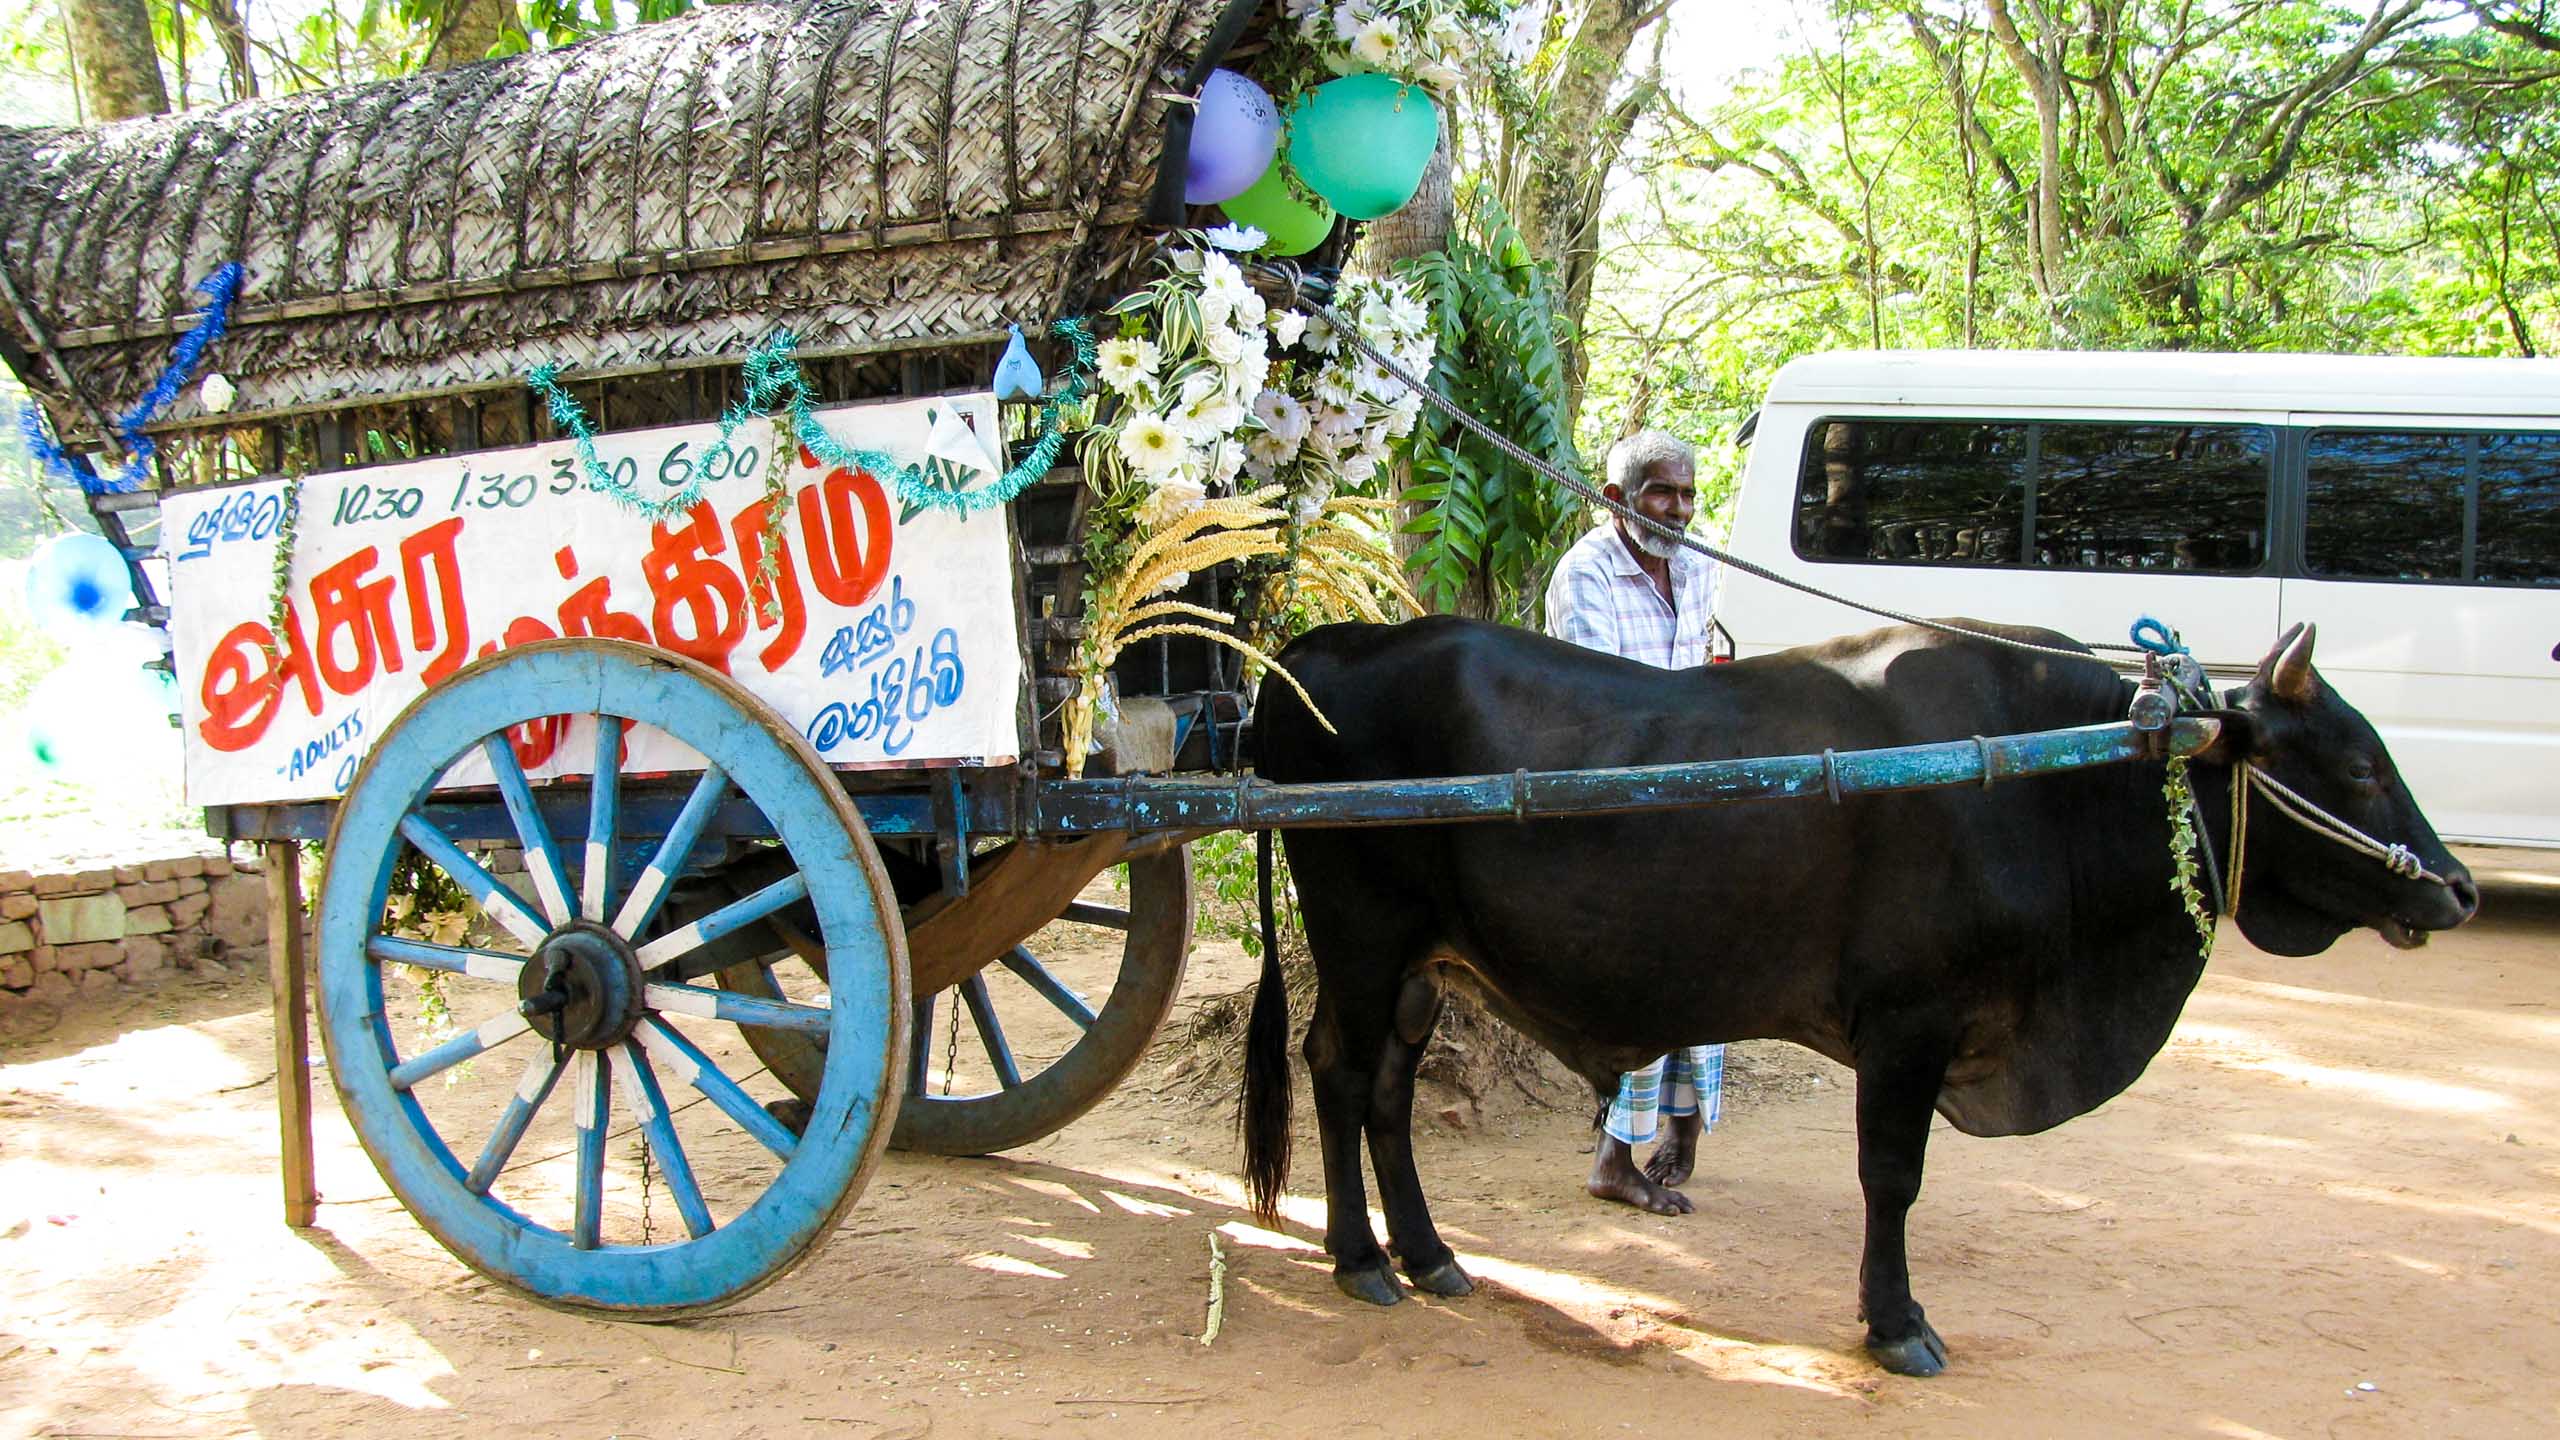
{"type": "Point", "coordinates": [243, 685]}
{"type": "Point", "coordinates": [683, 577]}
{"type": "Point", "coordinates": [433, 548]}
{"type": "Point", "coordinates": [344, 603]}
{"type": "Point", "coordinates": [778, 602]}
{"type": "Point", "coordinates": [585, 612]}
{"type": "Point", "coordinates": [843, 568]}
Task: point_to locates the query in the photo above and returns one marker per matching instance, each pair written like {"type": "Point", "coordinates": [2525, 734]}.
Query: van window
{"type": "Point", "coordinates": [1938, 492]}
{"type": "Point", "coordinates": [2519, 510]}
{"type": "Point", "coordinates": [2433, 505]}
{"type": "Point", "coordinates": [2081, 495]}
{"type": "Point", "coordinates": [2385, 505]}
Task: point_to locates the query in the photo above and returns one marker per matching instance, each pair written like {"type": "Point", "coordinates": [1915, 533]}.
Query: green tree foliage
{"type": "Point", "coordinates": [2255, 174]}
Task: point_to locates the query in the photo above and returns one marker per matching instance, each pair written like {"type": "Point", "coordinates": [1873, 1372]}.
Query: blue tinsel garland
{"type": "Point", "coordinates": [774, 384]}
{"type": "Point", "coordinates": [219, 289]}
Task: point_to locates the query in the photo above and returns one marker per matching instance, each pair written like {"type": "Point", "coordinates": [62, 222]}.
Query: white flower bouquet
{"type": "Point", "coordinates": [1430, 43]}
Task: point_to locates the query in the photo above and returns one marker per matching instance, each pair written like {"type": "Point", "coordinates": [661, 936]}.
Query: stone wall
{"type": "Point", "coordinates": [71, 933]}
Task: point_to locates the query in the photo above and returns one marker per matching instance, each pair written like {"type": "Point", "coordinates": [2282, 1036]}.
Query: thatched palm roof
{"type": "Point", "coordinates": [876, 175]}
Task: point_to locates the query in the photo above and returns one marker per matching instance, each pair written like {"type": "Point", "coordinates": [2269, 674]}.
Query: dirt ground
{"type": "Point", "coordinates": [2332, 1208]}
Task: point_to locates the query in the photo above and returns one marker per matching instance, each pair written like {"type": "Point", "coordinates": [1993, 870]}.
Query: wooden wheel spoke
{"type": "Point", "coordinates": [686, 1061]}
{"type": "Point", "coordinates": [494, 1032]}
{"type": "Point", "coordinates": [729, 918]}
{"type": "Point", "coordinates": [604, 813]}
{"type": "Point", "coordinates": [920, 1047]}
{"type": "Point", "coordinates": [595, 1110]}
{"type": "Point", "coordinates": [649, 1105]}
{"type": "Point", "coordinates": [501, 904]}
{"type": "Point", "coordinates": [449, 959]}
{"type": "Point", "coordinates": [737, 1009]}
{"type": "Point", "coordinates": [1110, 917]}
{"type": "Point", "coordinates": [541, 857]}
{"type": "Point", "coordinates": [1027, 967]}
{"type": "Point", "coordinates": [650, 890]}
{"type": "Point", "coordinates": [982, 1014]}
{"type": "Point", "coordinates": [541, 1075]}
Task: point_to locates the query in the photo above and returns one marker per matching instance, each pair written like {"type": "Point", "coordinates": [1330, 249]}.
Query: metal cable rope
{"type": "Point", "coordinates": [1436, 400]}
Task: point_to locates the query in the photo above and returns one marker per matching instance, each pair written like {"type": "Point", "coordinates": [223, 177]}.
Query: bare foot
{"type": "Point", "coordinates": [1614, 1176]}
{"type": "Point", "coordinates": [1673, 1159]}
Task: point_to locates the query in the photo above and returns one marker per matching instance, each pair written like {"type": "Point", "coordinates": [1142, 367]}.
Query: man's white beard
{"type": "Point", "coordinates": [1650, 541]}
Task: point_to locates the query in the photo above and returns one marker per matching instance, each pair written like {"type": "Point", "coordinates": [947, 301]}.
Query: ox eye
{"type": "Point", "coordinates": [2360, 771]}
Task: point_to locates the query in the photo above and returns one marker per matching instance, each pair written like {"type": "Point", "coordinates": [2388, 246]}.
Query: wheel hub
{"type": "Point", "coordinates": [582, 989]}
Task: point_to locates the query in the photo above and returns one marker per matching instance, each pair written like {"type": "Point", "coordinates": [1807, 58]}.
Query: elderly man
{"type": "Point", "coordinates": [1632, 592]}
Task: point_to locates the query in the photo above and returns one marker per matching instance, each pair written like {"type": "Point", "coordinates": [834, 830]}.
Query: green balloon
{"type": "Point", "coordinates": [1363, 141]}
{"type": "Point", "coordinates": [1294, 227]}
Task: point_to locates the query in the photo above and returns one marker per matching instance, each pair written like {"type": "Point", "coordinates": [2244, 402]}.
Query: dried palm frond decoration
{"type": "Point", "coordinates": [881, 178]}
{"type": "Point", "coordinates": [1127, 605]}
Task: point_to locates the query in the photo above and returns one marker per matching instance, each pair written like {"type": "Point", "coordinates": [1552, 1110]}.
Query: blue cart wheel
{"type": "Point", "coordinates": [553, 1026]}
{"type": "Point", "coordinates": [1052, 1025]}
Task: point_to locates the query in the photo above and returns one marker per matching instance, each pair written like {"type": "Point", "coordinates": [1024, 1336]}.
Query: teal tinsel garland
{"type": "Point", "coordinates": [774, 384]}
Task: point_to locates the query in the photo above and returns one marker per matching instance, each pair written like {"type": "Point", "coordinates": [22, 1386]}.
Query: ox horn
{"type": "Point", "coordinates": [2286, 672]}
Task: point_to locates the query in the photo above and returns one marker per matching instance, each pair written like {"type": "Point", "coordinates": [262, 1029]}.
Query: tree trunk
{"type": "Point", "coordinates": [119, 70]}
{"type": "Point", "coordinates": [232, 33]}
{"type": "Point", "coordinates": [1563, 181]}
{"type": "Point", "coordinates": [1421, 228]}
{"type": "Point", "coordinates": [465, 31]}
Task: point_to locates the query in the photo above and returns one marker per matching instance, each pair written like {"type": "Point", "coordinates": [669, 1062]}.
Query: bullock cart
{"type": "Point", "coordinates": [774, 742]}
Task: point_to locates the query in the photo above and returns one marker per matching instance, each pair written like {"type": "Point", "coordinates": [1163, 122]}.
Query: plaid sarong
{"type": "Point", "coordinates": [1696, 1087]}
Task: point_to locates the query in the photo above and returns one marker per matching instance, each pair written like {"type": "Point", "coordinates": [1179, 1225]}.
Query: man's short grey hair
{"type": "Point", "coordinates": [1631, 457]}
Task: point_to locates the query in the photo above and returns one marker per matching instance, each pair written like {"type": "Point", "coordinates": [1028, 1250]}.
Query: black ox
{"type": "Point", "coordinates": [2008, 957]}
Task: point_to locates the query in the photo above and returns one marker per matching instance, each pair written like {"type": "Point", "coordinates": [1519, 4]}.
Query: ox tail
{"type": "Point", "coordinates": [1263, 1112]}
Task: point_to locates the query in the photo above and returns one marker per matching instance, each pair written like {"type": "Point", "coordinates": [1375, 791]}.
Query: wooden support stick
{"type": "Point", "coordinates": [285, 973]}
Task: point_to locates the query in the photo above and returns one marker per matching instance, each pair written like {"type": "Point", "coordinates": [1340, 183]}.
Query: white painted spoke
{"type": "Point", "coordinates": [737, 915]}
{"type": "Point", "coordinates": [541, 857]}
{"type": "Point", "coordinates": [450, 959]}
{"type": "Point", "coordinates": [604, 813]}
{"type": "Point", "coordinates": [500, 903]}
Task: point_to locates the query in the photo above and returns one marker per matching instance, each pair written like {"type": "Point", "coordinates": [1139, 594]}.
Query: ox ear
{"type": "Point", "coordinates": [2234, 741]}
{"type": "Point", "coordinates": [2286, 672]}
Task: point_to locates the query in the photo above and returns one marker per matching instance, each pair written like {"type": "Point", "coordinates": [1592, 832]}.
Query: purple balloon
{"type": "Point", "coordinates": [1232, 139]}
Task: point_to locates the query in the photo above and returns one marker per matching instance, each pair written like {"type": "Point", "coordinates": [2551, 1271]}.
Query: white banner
{"type": "Point", "coordinates": [888, 640]}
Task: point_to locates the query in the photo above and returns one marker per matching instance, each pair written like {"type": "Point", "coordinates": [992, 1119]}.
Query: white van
{"type": "Point", "coordinates": [2410, 507]}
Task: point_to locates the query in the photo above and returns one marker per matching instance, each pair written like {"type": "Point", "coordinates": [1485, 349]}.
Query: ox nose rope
{"type": "Point", "coordinates": [1290, 275]}
{"type": "Point", "coordinates": [2248, 779]}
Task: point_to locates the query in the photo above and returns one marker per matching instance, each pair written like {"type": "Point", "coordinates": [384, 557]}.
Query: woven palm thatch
{"type": "Point", "coordinates": [876, 176]}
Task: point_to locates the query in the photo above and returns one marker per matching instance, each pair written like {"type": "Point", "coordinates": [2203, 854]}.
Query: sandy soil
{"type": "Point", "coordinates": [2344, 1171]}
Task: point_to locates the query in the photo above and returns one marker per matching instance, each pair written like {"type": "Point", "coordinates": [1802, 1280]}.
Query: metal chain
{"type": "Point", "coordinates": [1437, 401]}
{"type": "Point", "coordinates": [951, 1049]}
{"type": "Point", "coordinates": [647, 1230]}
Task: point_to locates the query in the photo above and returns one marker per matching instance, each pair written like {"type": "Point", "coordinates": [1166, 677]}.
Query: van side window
{"type": "Point", "coordinates": [2152, 497]}
{"type": "Point", "coordinates": [1934, 492]}
{"type": "Point", "coordinates": [2068, 496]}
{"type": "Point", "coordinates": [2519, 541]}
{"type": "Point", "coordinates": [2385, 504]}
{"type": "Point", "coordinates": [2433, 505]}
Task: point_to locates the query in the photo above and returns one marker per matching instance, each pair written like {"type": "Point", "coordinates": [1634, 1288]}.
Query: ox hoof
{"type": "Point", "coordinates": [1922, 1354]}
{"type": "Point", "coordinates": [1377, 1285]}
{"type": "Point", "coordinates": [1444, 1279]}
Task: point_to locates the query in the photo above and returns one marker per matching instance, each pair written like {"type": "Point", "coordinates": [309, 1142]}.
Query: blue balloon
{"type": "Point", "coordinates": [1017, 378]}
{"type": "Point", "coordinates": [76, 581]}
{"type": "Point", "coordinates": [1233, 138]}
